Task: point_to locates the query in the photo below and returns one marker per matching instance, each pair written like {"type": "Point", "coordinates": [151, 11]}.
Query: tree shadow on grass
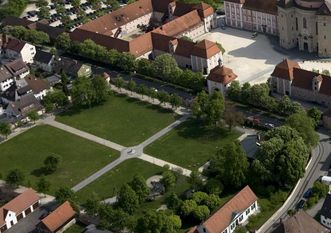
{"type": "Point", "coordinates": [39, 172]}
{"type": "Point", "coordinates": [195, 129]}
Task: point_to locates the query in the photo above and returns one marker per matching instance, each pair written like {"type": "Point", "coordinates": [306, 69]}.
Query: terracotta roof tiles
{"type": "Point", "coordinates": [222, 74]}
{"type": "Point", "coordinates": [221, 219]}
{"type": "Point", "coordinates": [59, 217]}
{"type": "Point", "coordinates": [284, 70]}
{"type": "Point", "coordinates": [19, 204]}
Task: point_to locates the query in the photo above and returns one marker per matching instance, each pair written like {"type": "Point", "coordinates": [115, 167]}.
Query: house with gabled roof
{"type": "Point", "coordinates": [288, 78]}
{"type": "Point", "coordinates": [232, 214]}
{"type": "Point", "coordinates": [58, 220]}
{"type": "Point", "coordinates": [6, 78]}
{"type": "Point", "coordinates": [18, 68]}
{"type": "Point", "coordinates": [44, 60]}
{"type": "Point", "coordinates": [15, 48]}
{"type": "Point", "coordinates": [18, 208]}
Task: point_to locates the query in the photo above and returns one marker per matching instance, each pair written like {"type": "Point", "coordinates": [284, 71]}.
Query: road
{"type": "Point", "coordinates": [319, 166]}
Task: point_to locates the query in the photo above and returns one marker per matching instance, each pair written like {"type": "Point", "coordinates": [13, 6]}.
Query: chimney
{"type": "Point", "coordinates": [220, 63]}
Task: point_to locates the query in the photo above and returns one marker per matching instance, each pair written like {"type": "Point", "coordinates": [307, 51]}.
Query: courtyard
{"type": "Point", "coordinates": [79, 157]}
{"type": "Point", "coordinates": [123, 120]}
{"type": "Point", "coordinates": [252, 59]}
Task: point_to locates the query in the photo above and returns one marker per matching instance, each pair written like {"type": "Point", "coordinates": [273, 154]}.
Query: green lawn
{"type": "Point", "coordinates": [124, 120]}
{"type": "Point", "coordinates": [75, 229]}
{"type": "Point", "coordinates": [107, 185]}
{"type": "Point", "coordinates": [80, 157]}
{"type": "Point", "coordinates": [191, 144]}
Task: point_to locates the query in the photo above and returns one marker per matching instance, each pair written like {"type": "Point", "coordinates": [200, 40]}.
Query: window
{"type": "Point", "coordinates": [304, 23]}
{"type": "Point", "coordinates": [324, 24]}
{"type": "Point", "coordinates": [233, 226]}
{"type": "Point", "coordinates": [316, 28]}
{"type": "Point", "coordinates": [324, 37]}
{"type": "Point", "coordinates": [241, 218]}
{"type": "Point", "coordinates": [248, 211]}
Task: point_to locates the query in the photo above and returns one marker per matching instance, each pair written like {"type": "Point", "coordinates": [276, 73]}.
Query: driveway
{"type": "Point", "coordinates": [252, 59]}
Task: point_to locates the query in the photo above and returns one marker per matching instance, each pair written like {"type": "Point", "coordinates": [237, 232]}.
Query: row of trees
{"type": "Point", "coordinates": [258, 95]}
{"type": "Point", "coordinates": [164, 67]}
{"type": "Point", "coordinates": [162, 96]}
{"type": "Point", "coordinates": [30, 35]}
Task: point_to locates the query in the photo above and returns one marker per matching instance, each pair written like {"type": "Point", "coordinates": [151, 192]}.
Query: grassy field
{"type": "Point", "coordinates": [121, 119]}
{"type": "Point", "coordinates": [107, 185]}
{"type": "Point", "coordinates": [80, 157]}
{"type": "Point", "coordinates": [190, 145]}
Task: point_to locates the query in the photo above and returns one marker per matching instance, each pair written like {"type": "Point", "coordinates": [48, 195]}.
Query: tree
{"type": "Point", "coordinates": [92, 205]}
{"type": "Point", "coordinates": [41, 3]}
{"type": "Point", "coordinates": [215, 108]}
{"type": "Point", "coordinates": [132, 85]}
{"type": "Point", "coordinates": [168, 179]}
{"type": "Point", "coordinates": [30, 35]}
{"type": "Point", "coordinates": [164, 67]}
{"type": "Point", "coordinates": [214, 186]}
{"type": "Point", "coordinates": [63, 41]}
{"type": "Point", "coordinates": [281, 158]}
{"type": "Point", "coordinates": [51, 164]}
{"type": "Point", "coordinates": [320, 189]}
{"type": "Point", "coordinates": [15, 177]}
{"type": "Point", "coordinates": [232, 117]}
{"type": "Point", "coordinates": [201, 212]}
{"type": "Point", "coordinates": [163, 97]}
{"type": "Point", "coordinates": [315, 114]}
{"type": "Point", "coordinates": [142, 89]}
{"type": "Point", "coordinates": [138, 184]}
{"type": "Point", "coordinates": [195, 180]}
{"type": "Point", "coordinates": [200, 104]}
{"type": "Point", "coordinates": [100, 88]}
{"type": "Point", "coordinates": [188, 207]}
{"type": "Point", "coordinates": [43, 185]}
{"type": "Point", "coordinates": [126, 62]}
{"type": "Point", "coordinates": [5, 129]}
{"type": "Point", "coordinates": [64, 194]}
{"type": "Point", "coordinates": [144, 66]}
{"type": "Point", "coordinates": [83, 94]}
{"type": "Point", "coordinates": [175, 101]}
{"type": "Point", "coordinates": [230, 165]}
{"type": "Point", "coordinates": [57, 98]}
{"type": "Point", "coordinates": [127, 199]}
{"type": "Point", "coordinates": [240, 229]}
{"type": "Point", "coordinates": [154, 222]}
{"type": "Point", "coordinates": [119, 82]}
{"type": "Point", "coordinates": [305, 126]}
{"type": "Point", "coordinates": [234, 91]}
{"type": "Point", "coordinates": [43, 13]}
{"type": "Point", "coordinates": [173, 201]}
{"type": "Point", "coordinates": [33, 116]}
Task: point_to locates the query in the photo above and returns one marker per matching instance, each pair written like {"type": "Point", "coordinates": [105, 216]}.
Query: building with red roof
{"type": "Point", "coordinates": [220, 78]}
{"type": "Point", "coordinates": [59, 220]}
{"type": "Point", "coordinates": [288, 78]}
{"type": "Point", "coordinates": [232, 214]}
{"type": "Point", "coordinates": [18, 208]}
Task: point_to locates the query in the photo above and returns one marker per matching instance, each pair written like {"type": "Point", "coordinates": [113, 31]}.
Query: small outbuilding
{"type": "Point", "coordinates": [219, 79]}
{"type": "Point", "coordinates": [59, 220]}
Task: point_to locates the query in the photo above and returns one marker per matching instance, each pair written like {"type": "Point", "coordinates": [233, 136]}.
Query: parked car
{"type": "Point", "coordinates": [308, 193]}
{"type": "Point", "coordinates": [300, 204]}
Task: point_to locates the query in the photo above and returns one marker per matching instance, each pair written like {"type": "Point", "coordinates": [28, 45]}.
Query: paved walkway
{"type": "Point", "coordinates": [88, 136]}
{"type": "Point", "coordinates": [162, 163]}
{"type": "Point", "coordinates": [126, 153]}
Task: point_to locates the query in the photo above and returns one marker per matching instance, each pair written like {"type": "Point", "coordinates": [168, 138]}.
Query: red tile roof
{"type": "Point", "coordinates": [59, 217]}
{"type": "Point", "coordinates": [206, 49]}
{"type": "Point", "coordinates": [221, 219]}
{"type": "Point", "coordinates": [222, 74]}
{"type": "Point", "coordinates": [15, 45]}
{"type": "Point", "coordinates": [284, 70]}
{"type": "Point", "coordinates": [19, 203]}
{"type": "Point", "coordinates": [36, 84]}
